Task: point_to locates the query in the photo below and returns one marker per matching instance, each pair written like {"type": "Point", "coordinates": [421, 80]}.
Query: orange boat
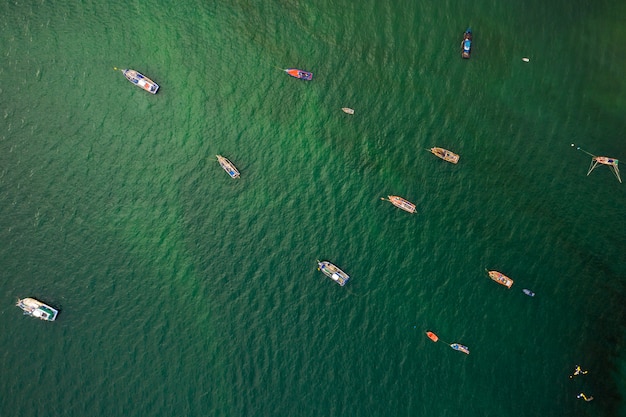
{"type": "Point", "coordinates": [500, 278]}
{"type": "Point", "coordinates": [298, 73]}
{"type": "Point", "coordinates": [432, 336]}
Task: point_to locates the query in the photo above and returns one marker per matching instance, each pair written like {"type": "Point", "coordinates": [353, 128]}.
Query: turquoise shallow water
{"type": "Point", "coordinates": [185, 292]}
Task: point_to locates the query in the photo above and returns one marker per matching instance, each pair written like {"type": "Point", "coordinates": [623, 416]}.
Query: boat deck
{"type": "Point", "coordinates": [333, 272]}
{"type": "Point", "coordinates": [228, 166]}
{"type": "Point", "coordinates": [445, 154]}
{"type": "Point", "coordinates": [402, 203]}
{"type": "Point", "coordinates": [500, 278]}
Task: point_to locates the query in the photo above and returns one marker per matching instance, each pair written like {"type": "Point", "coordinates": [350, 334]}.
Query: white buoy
{"type": "Point", "coordinates": [525, 59]}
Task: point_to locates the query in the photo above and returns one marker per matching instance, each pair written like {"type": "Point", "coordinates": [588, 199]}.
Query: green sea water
{"type": "Point", "coordinates": [184, 292]}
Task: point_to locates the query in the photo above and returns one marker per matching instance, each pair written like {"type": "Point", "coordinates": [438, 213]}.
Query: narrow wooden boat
{"type": "Point", "coordinates": [36, 308]}
{"type": "Point", "coordinates": [347, 110]}
{"type": "Point", "coordinates": [612, 163]}
{"type": "Point", "coordinates": [432, 336]}
{"type": "Point", "coordinates": [500, 278]}
{"type": "Point", "coordinates": [467, 44]}
{"type": "Point", "coordinates": [445, 154]}
{"type": "Point", "coordinates": [228, 166]}
{"type": "Point", "coordinates": [141, 81]}
{"type": "Point", "coordinates": [460, 348]}
{"type": "Point", "coordinates": [333, 272]}
{"type": "Point", "coordinates": [401, 203]}
{"type": "Point", "coordinates": [298, 73]}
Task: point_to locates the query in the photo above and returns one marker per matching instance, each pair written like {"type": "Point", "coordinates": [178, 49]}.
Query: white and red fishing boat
{"type": "Point", "coordinates": [612, 163]}
{"type": "Point", "coordinates": [141, 81]}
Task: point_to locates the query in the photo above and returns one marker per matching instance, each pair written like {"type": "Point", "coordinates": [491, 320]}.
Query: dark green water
{"type": "Point", "coordinates": [184, 292]}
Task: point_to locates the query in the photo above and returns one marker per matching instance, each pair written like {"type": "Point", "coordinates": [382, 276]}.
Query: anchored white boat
{"type": "Point", "coordinates": [36, 308]}
{"type": "Point", "coordinates": [228, 166]}
{"type": "Point", "coordinates": [460, 348]}
{"type": "Point", "coordinates": [141, 81]}
{"type": "Point", "coordinates": [333, 272]}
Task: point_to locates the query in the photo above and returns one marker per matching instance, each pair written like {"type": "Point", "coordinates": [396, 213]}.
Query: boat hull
{"type": "Point", "coordinates": [432, 336]}
{"type": "Point", "coordinates": [347, 110]}
{"type": "Point", "coordinates": [37, 309]}
{"type": "Point", "coordinates": [500, 278]}
{"type": "Point", "coordinates": [606, 160]}
{"type": "Point", "coordinates": [467, 44]}
{"type": "Point", "coordinates": [141, 81]}
{"type": "Point", "coordinates": [228, 166]}
{"type": "Point", "coordinates": [300, 74]}
{"type": "Point", "coordinates": [333, 272]}
{"type": "Point", "coordinates": [460, 348]}
{"type": "Point", "coordinates": [445, 154]}
{"type": "Point", "coordinates": [402, 203]}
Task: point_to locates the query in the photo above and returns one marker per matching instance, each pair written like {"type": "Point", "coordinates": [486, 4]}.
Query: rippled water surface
{"type": "Point", "coordinates": [184, 292]}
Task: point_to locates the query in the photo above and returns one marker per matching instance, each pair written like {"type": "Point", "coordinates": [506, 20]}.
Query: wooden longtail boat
{"type": "Point", "coordinates": [604, 160]}
{"type": "Point", "coordinates": [445, 154]}
{"type": "Point", "coordinates": [401, 203]}
{"type": "Point", "coordinates": [500, 278]}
